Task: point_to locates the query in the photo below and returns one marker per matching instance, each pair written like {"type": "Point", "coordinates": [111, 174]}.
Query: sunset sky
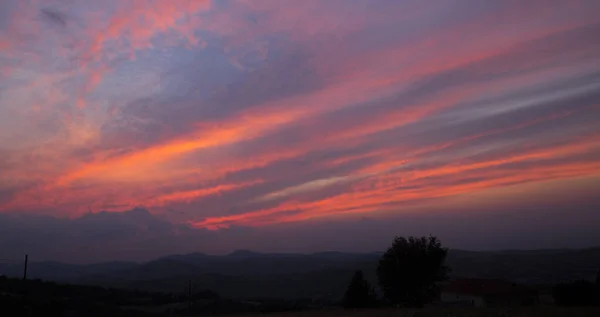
{"type": "Point", "coordinates": [131, 129]}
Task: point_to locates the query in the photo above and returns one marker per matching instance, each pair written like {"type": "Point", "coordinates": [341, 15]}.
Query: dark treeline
{"type": "Point", "coordinates": [577, 293]}
{"type": "Point", "coordinates": [40, 298]}
{"type": "Point", "coordinates": [408, 273]}
{"type": "Point", "coordinates": [38, 289]}
{"type": "Point", "coordinates": [412, 269]}
{"type": "Point", "coordinates": [37, 298]}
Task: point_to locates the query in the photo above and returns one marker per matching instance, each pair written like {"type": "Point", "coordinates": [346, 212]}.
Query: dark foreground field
{"type": "Point", "coordinates": [451, 312]}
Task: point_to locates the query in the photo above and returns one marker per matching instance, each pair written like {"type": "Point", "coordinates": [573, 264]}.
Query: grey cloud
{"type": "Point", "coordinates": [291, 72]}
{"type": "Point", "coordinates": [287, 74]}
{"type": "Point", "coordinates": [54, 16]}
{"type": "Point", "coordinates": [441, 129]}
{"type": "Point", "coordinates": [131, 235]}
{"type": "Point", "coordinates": [7, 194]}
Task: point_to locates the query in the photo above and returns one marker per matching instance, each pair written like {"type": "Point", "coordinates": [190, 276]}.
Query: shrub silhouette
{"type": "Point", "coordinates": [360, 294]}
{"type": "Point", "coordinates": [408, 272]}
{"type": "Point", "coordinates": [578, 293]}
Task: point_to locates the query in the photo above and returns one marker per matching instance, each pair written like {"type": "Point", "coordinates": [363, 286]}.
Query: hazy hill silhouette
{"type": "Point", "coordinates": [247, 274]}
{"type": "Point", "coordinates": [57, 271]}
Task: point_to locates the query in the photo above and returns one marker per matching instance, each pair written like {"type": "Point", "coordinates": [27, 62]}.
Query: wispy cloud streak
{"type": "Point", "coordinates": [264, 113]}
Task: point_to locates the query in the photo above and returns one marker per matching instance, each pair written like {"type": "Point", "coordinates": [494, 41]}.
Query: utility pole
{"type": "Point", "coordinates": [190, 296]}
{"type": "Point", "coordinates": [26, 298]}
{"type": "Point", "coordinates": [25, 268]}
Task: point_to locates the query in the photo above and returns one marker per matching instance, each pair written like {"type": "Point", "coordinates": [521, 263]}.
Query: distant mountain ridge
{"type": "Point", "coordinates": [248, 274]}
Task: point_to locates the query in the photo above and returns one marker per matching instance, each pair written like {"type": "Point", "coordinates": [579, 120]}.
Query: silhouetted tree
{"type": "Point", "coordinates": [360, 293]}
{"type": "Point", "coordinates": [578, 293]}
{"type": "Point", "coordinates": [408, 272]}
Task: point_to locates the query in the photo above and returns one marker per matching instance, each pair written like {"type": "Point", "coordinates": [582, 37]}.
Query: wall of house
{"type": "Point", "coordinates": [447, 297]}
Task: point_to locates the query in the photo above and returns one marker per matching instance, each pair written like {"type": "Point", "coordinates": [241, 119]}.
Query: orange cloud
{"type": "Point", "coordinates": [132, 166]}
{"type": "Point", "coordinates": [390, 191]}
{"type": "Point", "coordinates": [246, 126]}
{"type": "Point", "coordinates": [342, 116]}
{"type": "Point", "coordinates": [190, 195]}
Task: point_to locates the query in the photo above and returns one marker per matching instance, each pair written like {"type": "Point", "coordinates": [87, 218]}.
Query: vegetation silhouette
{"type": "Point", "coordinates": [410, 270]}
{"type": "Point", "coordinates": [578, 293]}
{"type": "Point", "coordinates": [409, 273]}
{"type": "Point", "coordinates": [360, 293]}
{"type": "Point", "coordinates": [35, 297]}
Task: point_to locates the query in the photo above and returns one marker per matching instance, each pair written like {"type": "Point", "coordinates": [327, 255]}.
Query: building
{"type": "Point", "coordinates": [487, 293]}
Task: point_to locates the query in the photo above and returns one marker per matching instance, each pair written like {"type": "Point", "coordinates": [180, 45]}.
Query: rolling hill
{"type": "Point", "coordinates": [247, 274]}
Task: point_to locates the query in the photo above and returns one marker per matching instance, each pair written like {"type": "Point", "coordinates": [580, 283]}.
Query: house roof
{"type": "Point", "coordinates": [484, 287]}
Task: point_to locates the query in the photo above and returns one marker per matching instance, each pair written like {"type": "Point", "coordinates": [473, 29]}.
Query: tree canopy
{"type": "Point", "coordinates": [408, 272]}
{"type": "Point", "coordinates": [360, 294]}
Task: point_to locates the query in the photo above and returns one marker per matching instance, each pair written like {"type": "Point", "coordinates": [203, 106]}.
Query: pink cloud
{"type": "Point", "coordinates": [136, 23]}
{"type": "Point", "coordinates": [338, 123]}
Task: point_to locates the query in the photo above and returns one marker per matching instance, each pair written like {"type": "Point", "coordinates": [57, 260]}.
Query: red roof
{"type": "Point", "coordinates": [484, 287]}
